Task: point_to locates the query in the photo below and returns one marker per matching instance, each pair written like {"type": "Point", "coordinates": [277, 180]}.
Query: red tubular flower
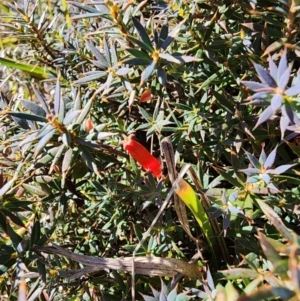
{"type": "Point", "coordinates": [139, 153]}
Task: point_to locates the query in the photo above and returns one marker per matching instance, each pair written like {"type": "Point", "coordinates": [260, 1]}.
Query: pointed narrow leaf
{"type": "Point", "coordinates": [173, 34]}
{"type": "Point", "coordinates": [48, 135]}
{"type": "Point", "coordinates": [66, 161]}
{"type": "Point", "coordinates": [228, 177]}
{"type": "Point", "coordinates": [137, 61]}
{"type": "Point", "coordinates": [163, 35]}
{"type": "Point", "coordinates": [107, 51]}
{"type": "Point", "coordinates": [266, 178]}
{"type": "Point", "coordinates": [284, 79]}
{"type": "Point", "coordinates": [173, 294]}
{"type": "Point", "coordinates": [271, 158]}
{"type": "Point", "coordinates": [253, 160]}
{"type": "Point", "coordinates": [100, 58]}
{"type": "Point", "coordinates": [27, 116]}
{"type": "Point", "coordinates": [85, 112]}
{"type": "Point", "coordinates": [216, 214]}
{"type": "Point", "coordinates": [156, 39]}
{"type": "Point", "coordinates": [284, 122]}
{"type": "Point", "coordinates": [250, 171]}
{"type": "Point", "coordinates": [91, 76]}
{"type": "Point", "coordinates": [282, 65]}
{"type": "Point", "coordinates": [263, 157]}
{"type": "Point", "coordinates": [273, 68]}
{"type": "Point", "coordinates": [275, 220]}
{"type": "Point", "coordinates": [59, 106]}
{"type": "Point", "coordinates": [147, 72]}
{"type": "Point", "coordinates": [27, 142]}
{"type": "Point", "coordinates": [264, 116]}
{"type": "Point", "coordinates": [240, 273]}
{"type": "Point", "coordinates": [255, 86]}
{"type": "Point", "coordinates": [34, 108]}
{"type": "Point", "coordinates": [264, 76]}
{"type": "Point", "coordinates": [139, 54]}
{"type": "Point", "coordinates": [21, 123]}
{"type": "Point", "coordinates": [141, 44]}
{"type": "Point", "coordinates": [293, 91]}
{"type": "Point", "coordinates": [70, 116]}
{"type": "Point", "coordinates": [6, 187]}
{"type": "Point", "coordinates": [162, 76]}
{"type": "Point", "coordinates": [88, 159]}
{"type": "Point", "coordinates": [276, 102]}
{"type": "Point", "coordinates": [123, 71]}
{"type": "Point", "coordinates": [142, 33]}
{"type": "Point", "coordinates": [280, 169]}
{"type": "Point", "coordinates": [57, 156]}
{"type": "Point", "coordinates": [66, 139]}
{"type": "Point", "coordinates": [148, 298]}
{"type": "Point", "coordinates": [170, 58]}
{"type": "Point", "coordinates": [41, 100]}
{"type": "Point", "coordinates": [14, 218]}
{"type": "Point", "coordinates": [34, 190]}
{"type": "Point", "coordinates": [270, 252]}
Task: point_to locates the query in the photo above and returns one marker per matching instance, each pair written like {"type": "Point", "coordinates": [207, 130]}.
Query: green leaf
{"type": "Point", "coordinates": [107, 51]}
{"type": "Point", "coordinates": [173, 34]}
{"type": "Point", "coordinates": [136, 61]}
{"type": "Point", "coordinates": [275, 220]}
{"type": "Point", "coordinates": [162, 76]}
{"type": "Point", "coordinates": [147, 72]}
{"type": "Point", "coordinates": [8, 264]}
{"type": "Point", "coordinates": [15, 238]}
{"type": "Point", "coordinates": [100, 58]}
{"type": "Point", "coordinates": [41, 100]}
{"type": "Point", "coordinates": [59, 106]}
{"type": "Point", "coordinates": [163, 35]}
{"type": "Point", "coordinates": [88, 159]}
{"type": "Point", "coordinates": [142, 33]}
{"type": "Point", "coordinates": [27, 116]}
{"type": "Point", "coordinates": [14, 218]}
{"type": "Point", "coordinates": [66, 162]}
{"type": "Point", "coordinates": [228, 177]}
{"type": "Point", "coordinates": [58, 153]}
{"type": "Point", "coordinates": [238, 273]}
{"type": "Point", "coordinates": [140, 43]}
{"type": "Point", "coordinates": [47, 137]}
{"type": "Point", "coordinates": [34, 108]}
{"type": "Point", "coordinates": [34, 190]}
{"type": "Point", "coordinates": [35, 232]}
{"type": "Point", "coordinates": [139, 54]}
{"type": "Point", "coordinates": [84, 113]}
{"type": "Point", "coordinates": [33, 70]}
{"type": "Point", "coordinates": [91, 76]}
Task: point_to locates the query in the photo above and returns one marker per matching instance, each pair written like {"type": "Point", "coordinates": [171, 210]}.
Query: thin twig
{"type": "Point", "coordinates": [184, 169]}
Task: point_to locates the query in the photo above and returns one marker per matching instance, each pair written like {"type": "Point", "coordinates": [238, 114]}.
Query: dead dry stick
{"type": "Point", "coordinates": [150, 266]}
{"type": "Point", "coordinates": [146, 234]}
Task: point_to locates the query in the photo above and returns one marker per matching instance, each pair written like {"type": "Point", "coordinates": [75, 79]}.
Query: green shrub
{"type": "Point", "coordinates": [224, 83]}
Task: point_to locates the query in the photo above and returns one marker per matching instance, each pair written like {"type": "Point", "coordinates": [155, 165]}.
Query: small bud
{"type": "Point", "coordinates": [146, 95]}
{"type": "Point", "coordinates": [88, 125]}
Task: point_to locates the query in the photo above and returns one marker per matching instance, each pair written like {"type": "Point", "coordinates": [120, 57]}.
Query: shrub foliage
{"type": "Point", "coordinates": [221, 78]}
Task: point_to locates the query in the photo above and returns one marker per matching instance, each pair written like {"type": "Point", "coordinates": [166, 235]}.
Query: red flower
{"type": "Point", "coordinates": [139, 153]}
{"type": "Point", "coordinates": [146, 95]}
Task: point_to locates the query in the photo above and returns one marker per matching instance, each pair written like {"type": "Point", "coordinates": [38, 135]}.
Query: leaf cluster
{"type": "Point", "coordinates": [220, 77]}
